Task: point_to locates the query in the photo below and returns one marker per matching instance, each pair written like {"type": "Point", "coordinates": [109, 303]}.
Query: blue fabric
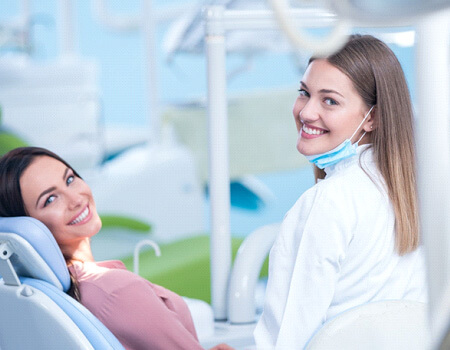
{"type": "Point", "coordinates": [96, 333]}
{"type": "Point", "coordinates": [40, 238]}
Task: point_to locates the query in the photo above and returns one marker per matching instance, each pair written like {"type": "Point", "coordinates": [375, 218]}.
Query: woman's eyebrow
{"type": "Point", "coordinates": [44, 193]}
{"type": "Point", "coordinates": [51, 188]}
{"type": "Point", "coordinates": [323, 91]}
{"type": "Point", "coordinates": [329, 91]}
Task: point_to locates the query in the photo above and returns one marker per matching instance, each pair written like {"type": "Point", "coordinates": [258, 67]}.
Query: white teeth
{"type": "Point", "coordinates": [81, 217]}
{"type": "Point", "coordinates": [311, 131]}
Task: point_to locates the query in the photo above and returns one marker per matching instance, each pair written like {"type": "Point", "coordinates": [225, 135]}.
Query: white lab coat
{"type": "Point", "coordinates": [335, 250]}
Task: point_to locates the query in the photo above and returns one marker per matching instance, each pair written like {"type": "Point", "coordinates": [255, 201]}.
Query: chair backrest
{"type": "Point", "coordinates": [36, 311]}
{"type": "Point", "coordinates": [391, 324]}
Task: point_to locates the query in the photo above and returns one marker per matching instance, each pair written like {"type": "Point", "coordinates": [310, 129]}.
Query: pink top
{"type": "Point", "coordinates": [140, 314]}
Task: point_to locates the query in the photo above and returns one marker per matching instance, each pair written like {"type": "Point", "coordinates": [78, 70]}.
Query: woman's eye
{"type": "Point", "coordinates": [330, 102]}
{"type": "Point", "coordinates": [49, 200]}
{"type": "Point", "coordinates": [303, 92]}
{"type": "Point", "coordinates": [70, 179]}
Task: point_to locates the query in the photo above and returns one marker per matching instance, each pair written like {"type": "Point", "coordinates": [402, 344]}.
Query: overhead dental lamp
{"type": "Point", "coordinates": [351, 13]}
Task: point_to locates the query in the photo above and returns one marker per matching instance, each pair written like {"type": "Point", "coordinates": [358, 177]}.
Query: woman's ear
{"type": "Point", "coordinates": [371, 123]}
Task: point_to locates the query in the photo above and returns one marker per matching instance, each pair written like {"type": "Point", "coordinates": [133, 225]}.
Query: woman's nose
{"type": "Point", "coordinates": [75, 200]}
{"type": "Point", "coordinates": [309, 112]}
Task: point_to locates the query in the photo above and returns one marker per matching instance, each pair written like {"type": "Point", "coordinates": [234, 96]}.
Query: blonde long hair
{"type": "Point", "coordinates": [379, 79]}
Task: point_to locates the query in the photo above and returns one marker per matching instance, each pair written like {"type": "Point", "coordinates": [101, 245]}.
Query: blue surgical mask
{"type": "Point", "coordinates": [345, 150]}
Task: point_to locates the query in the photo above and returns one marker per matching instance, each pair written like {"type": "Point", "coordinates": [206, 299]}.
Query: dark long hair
{"type": "Point", "coordinates": [12, 166]}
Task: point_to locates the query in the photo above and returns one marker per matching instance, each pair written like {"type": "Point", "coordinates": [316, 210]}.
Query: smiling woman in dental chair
{"type": "Point", "coordinates": [36, 182]}
{"type": "Point", "coordinates": [353, 238]}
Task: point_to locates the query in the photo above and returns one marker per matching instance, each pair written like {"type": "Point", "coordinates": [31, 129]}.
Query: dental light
{"type": "Point", "coordinates": [385, 12]}
{"type": "Point", "coordinates": [368, 13]}
{"type": "Point", "coordinates": [320, 47]}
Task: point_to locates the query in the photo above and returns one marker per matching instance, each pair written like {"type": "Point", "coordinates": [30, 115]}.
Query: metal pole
{"type": "Point", "coordinates": [219, 181]}
{"type": "Point", "coordinates": [66, 29]}
{"type": "Point", "coordinates": [433, 151]}
{"type": "Point", "coordinates": [148, 31]}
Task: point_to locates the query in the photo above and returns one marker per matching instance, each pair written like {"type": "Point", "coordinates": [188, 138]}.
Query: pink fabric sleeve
{"type": "Point", "coordinates": [145, 316]}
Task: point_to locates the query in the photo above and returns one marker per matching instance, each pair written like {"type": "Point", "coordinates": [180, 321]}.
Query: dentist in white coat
{"type": "Point", "coordinates": [353, 238]}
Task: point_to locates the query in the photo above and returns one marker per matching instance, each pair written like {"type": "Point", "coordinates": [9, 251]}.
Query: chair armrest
{"type": "Point", "coordinates": [246, 269]}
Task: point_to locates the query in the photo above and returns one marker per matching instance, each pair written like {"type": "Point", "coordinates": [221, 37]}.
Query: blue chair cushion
{"type": "Point", "coordinates": [96, 333]}
{"type": "Point", "coordinates": [41, 239]}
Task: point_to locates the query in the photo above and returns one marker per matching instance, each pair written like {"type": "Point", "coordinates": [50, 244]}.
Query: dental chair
{"type": "Point", "coordinates": [389, 324]}
{"type": "Point", "coordinates": [35, 311]}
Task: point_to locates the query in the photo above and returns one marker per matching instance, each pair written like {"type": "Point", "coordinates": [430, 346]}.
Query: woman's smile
{"type": "Point", "coordinates": [82, 217]}
{"type": "Point", "coordinates": [311, 132]}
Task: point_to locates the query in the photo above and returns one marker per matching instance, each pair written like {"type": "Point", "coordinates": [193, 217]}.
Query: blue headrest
{"type": "Point", "coordinates": [36, 253]}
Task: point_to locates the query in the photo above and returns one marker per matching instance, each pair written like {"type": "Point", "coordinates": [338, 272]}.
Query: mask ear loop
{"type": "Point", "coordinates": [357, 142]}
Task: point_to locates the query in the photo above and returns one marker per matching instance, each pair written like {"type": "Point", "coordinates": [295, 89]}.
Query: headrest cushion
{"type": "Point", "coordinates": [36, 253]}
